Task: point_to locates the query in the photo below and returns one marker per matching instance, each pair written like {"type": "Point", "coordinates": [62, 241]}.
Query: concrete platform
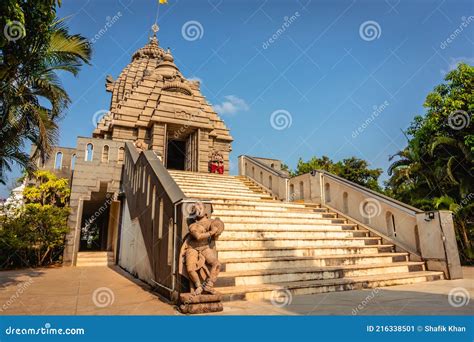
{"type": "Point", "coordinates": [111, 291]}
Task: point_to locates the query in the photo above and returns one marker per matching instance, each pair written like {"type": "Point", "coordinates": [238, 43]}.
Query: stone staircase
{"type": "Point", "coordinates": [270, 246]}
{"type": "Point", "coordinates": [88, 259]}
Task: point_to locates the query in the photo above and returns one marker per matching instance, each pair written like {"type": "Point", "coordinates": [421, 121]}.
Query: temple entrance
{"type": "Point", "coordinates": [96, 220]}
{"type": "Point", "coordinates": [176, 155]}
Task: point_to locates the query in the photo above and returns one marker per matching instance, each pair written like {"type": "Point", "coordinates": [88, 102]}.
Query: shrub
{"type": "Point", "coordinates": [33, 234]}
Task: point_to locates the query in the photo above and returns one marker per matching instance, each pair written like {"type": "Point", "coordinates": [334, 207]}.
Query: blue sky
{"type": "Point", "coordinates": [291, 79]}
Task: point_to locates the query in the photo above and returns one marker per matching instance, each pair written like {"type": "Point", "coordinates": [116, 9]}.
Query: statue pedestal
{"type": "Point", "coordinates": [197, 304]}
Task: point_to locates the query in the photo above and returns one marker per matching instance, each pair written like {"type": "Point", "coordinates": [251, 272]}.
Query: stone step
{"type": "Point", "coordinates": [209, 191]}
{"type": "Point", "coordinates": [289, 226]}
{"type": "Point", "coordinates": [293, 243]}
{"type": "Point", "coordinates": [217, 187]}
{"type": "Point", "coordinates": [269, 220]}
{"type": "Point", "coordinates": [315, 225]}
{"type": "Point", "coordinates": [240, 264]}
{"type": "Point", "coordinates": [93, 259]}
{"type": "Point", "coordinates": [268, 203]}
{"type": "Point", "coordinates": [272, 252]}
{"type": "Point", "coordinates": [217, 183]}
{"type": "Point", "coordinates": [294, 234]}
{"type": "Point", "coordinates": [256, 277]}
{"type": "Point", "coordinates": [243, 194]}
{"type": "Point", "coordinates": [285, 290]}
{"type": "Point", "coordinates": [217, 196]}
{"type": "Point", "coordinates": [201, 174]}
{"type": "Point", "coordinates": [231, 214]}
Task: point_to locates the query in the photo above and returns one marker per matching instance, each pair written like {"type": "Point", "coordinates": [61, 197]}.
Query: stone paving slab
{"type": "Point", "coordinates": [112, 291]}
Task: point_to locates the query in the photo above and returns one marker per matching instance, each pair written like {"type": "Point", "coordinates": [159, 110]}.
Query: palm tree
{"type": "Point", "coordinates": [32, 97]}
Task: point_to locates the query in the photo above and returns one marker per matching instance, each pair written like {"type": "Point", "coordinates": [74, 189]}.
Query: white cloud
{"type": "Point", "coordinates": [453, 63]}
{"type": "Point", "coordinates": [232, 105]}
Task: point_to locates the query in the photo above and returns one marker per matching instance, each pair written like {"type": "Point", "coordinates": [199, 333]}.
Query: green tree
{"type": "Point", "coordinates": [353, 169]}
{"type": "Point", "coordinates": [34, 234]}
{"type": "Point", "coordinates": [35, 46]}
{"type": "Point", "coordinates": [435, 170]}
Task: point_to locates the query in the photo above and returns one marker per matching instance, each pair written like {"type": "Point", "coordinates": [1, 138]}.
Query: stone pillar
{"type": "Point", "coordinates": [438, 245]}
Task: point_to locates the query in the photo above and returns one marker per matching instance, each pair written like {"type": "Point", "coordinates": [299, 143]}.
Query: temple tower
{"type": "Point", "coordinates": [158, 109]}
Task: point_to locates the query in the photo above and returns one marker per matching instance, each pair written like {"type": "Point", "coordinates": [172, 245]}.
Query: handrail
{"type": "Point", "coordinates": [266, 167]}
{"type": "Point", "coordinates": [374, 231]}
{"type": "Point", "coordinates": [133, 151]}
{"type": "Point", "coordinates": [169, 184]}
{"type": "Point", "coordinates": [383, 197]}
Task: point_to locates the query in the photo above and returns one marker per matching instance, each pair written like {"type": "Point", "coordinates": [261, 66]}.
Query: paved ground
{"type": "Point", "coordinates": [111, 291]}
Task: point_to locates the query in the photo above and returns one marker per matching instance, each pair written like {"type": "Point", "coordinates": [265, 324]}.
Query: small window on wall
{"type": "Point", "coordinates": [345, 203]}
{"type": "Point", "coordinates": [120, 154]}
{"type": "Point", "coordinates": [73, 162]}
{"type": "Point", "coordinates": [390, 220]}
{"type": "Point", "coordinates": [327, 192]}
{"type": "Point", "coordinates": [105, 154]}
{"type": "Point", "coordinates": [58, 161]}
{"type": "Point", "coordinates": [89, 152]}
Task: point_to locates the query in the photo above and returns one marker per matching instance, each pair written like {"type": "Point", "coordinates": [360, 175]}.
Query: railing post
{"type": "Point", "coordinates": [438, 245]}
{"type": "Point", "coordinates": [321, 188]}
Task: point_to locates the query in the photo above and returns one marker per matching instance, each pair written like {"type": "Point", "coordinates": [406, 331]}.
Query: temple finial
{"type": "Point", "coordinates": [155, 28]}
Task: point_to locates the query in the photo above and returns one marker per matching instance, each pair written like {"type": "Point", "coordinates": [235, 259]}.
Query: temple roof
{"type": "Point", "coordinates": [152, 88]}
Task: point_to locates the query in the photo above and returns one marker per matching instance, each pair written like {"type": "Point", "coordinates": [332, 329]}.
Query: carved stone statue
{"type": "Point", "coordinates": [199, 263]}
{"type": "Point", "coordinates": [216, 162]}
